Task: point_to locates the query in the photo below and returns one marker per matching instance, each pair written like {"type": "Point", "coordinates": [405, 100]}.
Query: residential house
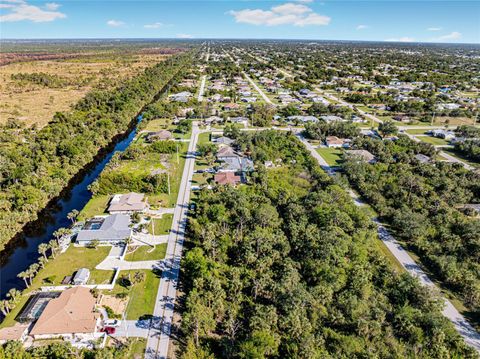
{"type": "Point", "coordinates": [227, 178]}
{"type": "Point", "coordinates": [364, 155]}
{"type": "Point", "coordinates": [231, 106]}
{"type": "Point", "coordinates": [161, 135]}
{"type": "Point", "coordinates": [422, 158]}
{"type": "Point", "coordinates": [232, 161]}
{"type": "Point", "coordinates": [223, 141]}
{"type": "Point", "coordinates": [127, 203]}
{"type": "Point", "coordinates": [109, 229]}
{"type": "Point", "coordinates": [70, 315]}
{"type": "Point", "coordinates": [335, 142]}
{"type": "Point", "coordinates": [17, 332]}
{"type": "Point", "coordinates": [183, 96]}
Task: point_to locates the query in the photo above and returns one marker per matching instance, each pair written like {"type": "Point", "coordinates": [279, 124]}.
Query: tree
{"type": "Point", "coordinates": [4, 307]}
{"type": "Point", "coordinates": [32, 271]}
{"type": "Point", "coordinates": [199, 317]}
{"type": "Point", "coordinates": [387, 128]}
{"type": "Point", "coordinates": [42, 261]}
{"type": "Point", "coordinates": [139, 277]}
{"type": "Point", "coordinates": [54, 247]}
{"type": "Point", "coordinates": [14, 294]}
{"type": "Point", "coordinates": [73, 215]}
{"type": "Point", "coordinates": [43, 248]}
{"type": "Point", "coordinates": [24, 275]}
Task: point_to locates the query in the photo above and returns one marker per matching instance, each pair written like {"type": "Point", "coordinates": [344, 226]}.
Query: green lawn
{"type": "Point", "coordinates": [165, 124]}
{"type": "Point", "coordinates": [141, 295]}
{"type": "Point", "coordinates": [333, 156]}
{"type": "Point", "coordinates": [416, 132]}
{"type": "Point", "coordinates": [433, 140]}
{"type": "Point", "coordinates": [136, 348]}
{"type": "Point", "coordinates": [96, 206]}
{"type": "Point", "coordinates": [176, 171]}
{"type": "Point", "coordinates": [147, 253]}
{"type": "Point", "coordinates": [203, 138]}
{"type": "Point", "coordinates": [199, 179]}
{"type": "Point", "coordinates": [161, 225]}
{"type": "Point", "coordinates": [66, 264]}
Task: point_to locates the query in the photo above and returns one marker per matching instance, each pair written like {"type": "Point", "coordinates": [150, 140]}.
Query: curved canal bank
{"type": "Point", "coordinates": [22, 250]}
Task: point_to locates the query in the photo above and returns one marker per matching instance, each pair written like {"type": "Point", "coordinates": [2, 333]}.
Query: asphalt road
{"type": "Point", "coordinates": [160, 330]}
{"type": "Point", "coordinates": [463, 327]}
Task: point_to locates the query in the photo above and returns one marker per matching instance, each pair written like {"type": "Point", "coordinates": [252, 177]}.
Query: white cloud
{"type": "Point", "coordinates": [434, 29]}
{"type": "Point", "coordinates": [155, 25]}
{"type": "Point", "coordinates": [285, 14]}
{"type": "Point", "coordinates": [115, 23]}
{"type": "Point", "coordinates": [402, 39]}
{"type": "Point", "coordinates": [455, 35]}
{"type": "Point", "coordinates": [184, 36]}
{"type": "Point", "coordinates": [52, 6]}
{"type": "Point", "coordinates": [21, 10]}
{"type": "Point", "coordinates": [304, 1]}
{"type": "Point", "coordinates": [362, 27]}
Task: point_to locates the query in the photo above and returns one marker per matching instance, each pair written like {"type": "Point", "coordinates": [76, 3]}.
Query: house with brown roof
{"type": "Point", "coordinates": [335, 142]}
{"type": "Point", "coordinates": [72, 314]}
{"type": "Point", "coordinates": [127, 203]}
{"type": "Point", "coordinates": [227, 178]}
{"type": "Point", "coordinates": [16, 332]}
{"type": "Point", "coordinates": [231, 106]}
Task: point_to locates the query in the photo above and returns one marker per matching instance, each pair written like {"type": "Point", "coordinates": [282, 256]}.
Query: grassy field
{"type": "Point", "coordinates": [96, 206]}
{"type": "Point", "coordinates": [32, 103]}
{"type": "Point", "coordinates": [176, 171]}
{"type": "Point", "coordinates": [165, 124]}
{"type": "Point", "coordinates": [63, 265]}
{"type": "Point", "coordinates": [416, 132]}
{"type": "Point", "coordinates": [161, 225]}
{"type": "Point", "coordinates": [333, 156]}
{"type": "Point", "coordinates": [141, 295]}
{"type": "Point", "coordinates": [433, 140]}
{"type": "Point", "coordinates": [147, 253]}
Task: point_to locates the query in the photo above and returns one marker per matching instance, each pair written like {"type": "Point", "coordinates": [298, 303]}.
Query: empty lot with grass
{"type": "Point", "coordinates": [61, 83]}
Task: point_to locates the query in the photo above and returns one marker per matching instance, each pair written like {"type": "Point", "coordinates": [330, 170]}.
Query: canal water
{"type": "Point", "coordinates": [23, 250]}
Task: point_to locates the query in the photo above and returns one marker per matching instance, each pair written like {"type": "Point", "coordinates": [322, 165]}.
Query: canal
{"type": "Point", "coordinates": [23, 250]}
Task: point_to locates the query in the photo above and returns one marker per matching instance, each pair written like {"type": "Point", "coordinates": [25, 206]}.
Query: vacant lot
{"type": "Point", "coordinates": [24, 100]}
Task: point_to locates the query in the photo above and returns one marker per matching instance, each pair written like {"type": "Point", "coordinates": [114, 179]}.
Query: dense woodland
{"type": "Point", "coordinates": [470, 147]}
{"type": "Point", "coordinates": [422, 202]}
{"type": "Point", "coordinates": [36, 165]}
{"type": "Point", "coordinates": [288, 267]}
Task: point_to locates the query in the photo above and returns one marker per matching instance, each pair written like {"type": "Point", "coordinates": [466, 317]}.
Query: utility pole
{"type": "Point", "coordinates": [168, 182]}
{"type": "Point", "coordinates": [433, 117]}
{"type": "Point", "coordinates": [178, 160]}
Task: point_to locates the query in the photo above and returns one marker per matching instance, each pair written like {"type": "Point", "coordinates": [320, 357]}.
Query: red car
{"type": "Point", "coordinates": [108, 330]}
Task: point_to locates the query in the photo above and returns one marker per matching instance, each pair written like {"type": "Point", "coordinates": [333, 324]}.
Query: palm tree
{"type": "Point", "coordinates": [43, 249]}
{"type": "Point", "coordinates": [14, 294]}
{"type": "Point", "coordinates": [32, 270]}
{"type": "Point", "coordinates": [4, 307]}
{"type": "Point", "coordinates": [24, 276]}
{"type": "Point", "coordinates": [42, 261]}
{"type": "Point", "coordinates": [54, 246]}
{"type": "Point", "coordinates": [73, 215]}
{"type": "Point", "coordinates": [138, 277]}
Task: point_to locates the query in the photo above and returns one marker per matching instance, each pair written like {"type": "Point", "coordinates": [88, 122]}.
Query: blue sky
{"type": "Point", "coordinates": [423, 21]}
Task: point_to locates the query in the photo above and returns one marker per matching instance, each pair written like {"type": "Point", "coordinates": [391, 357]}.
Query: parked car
{"type": "Point", "coordinates": [111, 323]}
{"type": "Point", "coordinates": [108, 330]}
